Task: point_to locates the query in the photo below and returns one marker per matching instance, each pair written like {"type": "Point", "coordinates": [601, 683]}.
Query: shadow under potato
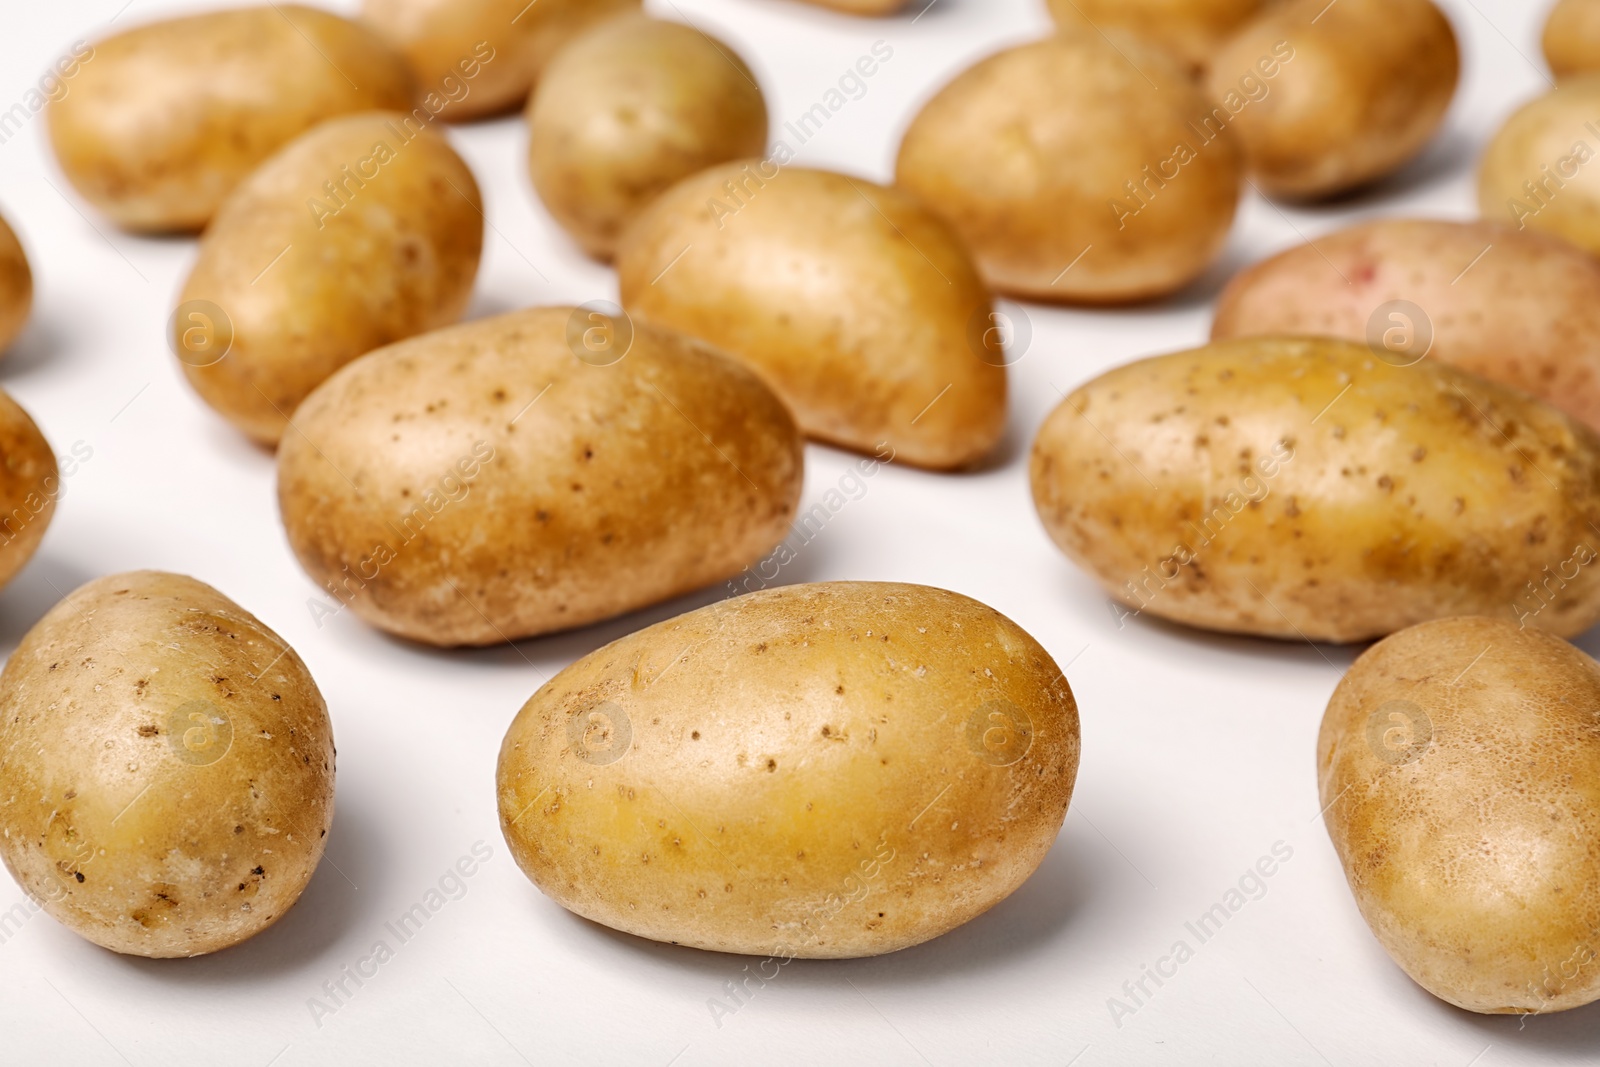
{"type": "Point", "coordinates": [34, 591]}
{"type": "Point", "coordinates": [42, 346]}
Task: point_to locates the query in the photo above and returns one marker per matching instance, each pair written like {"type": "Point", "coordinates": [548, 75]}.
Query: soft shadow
{"type": "Point", "coordinates": [1451, 153]}
{"type": "Point", "coordinates": [1248, 646]}
{"type": "Point", "coordinates": [1204, 290]}
{"type": "Point", "coordinates": [34, 591]}
{"type": "Point", "coordinates": [43, 343]}
{"type": "Point", "coordinates": [1571, 1036]}
{"type": "Point", "coordinates": [487, 306]}
{"type": "Point", "coordinates": [1011, 447]}
{"type": "Point", "coordinates": [915, 10]}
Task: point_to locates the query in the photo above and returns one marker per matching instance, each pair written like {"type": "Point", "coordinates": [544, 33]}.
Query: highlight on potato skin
{"type": "Point", "coordinates": [1539, 171]}
{"type": "Point", "coordinates": [16, 286]}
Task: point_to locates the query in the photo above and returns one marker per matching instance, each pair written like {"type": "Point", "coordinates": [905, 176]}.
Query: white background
{"type": "Point", "coordinates": [1197, 749]}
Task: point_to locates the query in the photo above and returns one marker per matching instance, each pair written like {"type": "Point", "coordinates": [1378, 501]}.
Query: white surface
{"type": "Point", "coordinates": [1197, 749]}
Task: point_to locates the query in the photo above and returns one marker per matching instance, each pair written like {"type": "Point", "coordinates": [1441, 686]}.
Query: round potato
{"type": "Point", "coordinates": [1519, 308]}
{"type": "Point", "coordinates": [166, 767]}
{"type": "Point", "coordinates": [532, 473]}
{"type": "Point", "coordinates": [1366, 85]}
{"type": "Point", "coordinates": [1190, 29]}
{"type": "Point", "coordinates": [629, 109]}
{"type": "Point", "coordinates": [1305, 488]}
{"type": "Point", "coordinates": [16, 287]}
{"type": "Point", "coordinates": [1540, 170]}
{"type": "Point", "coordinates": [161, 122]}
{"type": "Point", "coordinates": [1572, 37]}
{"type": "Point", "coordinates": [1459, 769]}
{"type": "Point", "coordinates": [30, 482]}
{"type": "Point", "coordinates": [1076, 170]}
{"type": "Point", "coordinates": [363, 231]}
{"type": "Point", "coordinates": [818, 771]}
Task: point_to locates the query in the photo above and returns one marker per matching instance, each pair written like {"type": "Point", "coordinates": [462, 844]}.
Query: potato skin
{"type": "Point", "coordinates": [164, 120]}
{"type": "Point", "coordinates": [482, 484]}
{"type": "Point", "coordinates": [1540, 144]}
{"type": "Point", "coordinates": [819, 771]}
{"type": "Point", "coordinates": [1459, 762]}
{"type": "Point", "coordinates": [1572, 38]}
{"type": "Point", "coordinates": [395, 254]}
{"type": "Point", "coordinates": [627, 110]}
{"type": "Point", "coordinates": [166, 767]}
{"type": "Point", "coordinates": [30, 482]}
{"type": "Point", "coordinates": [1303, 488]}
{"type": "Point", "coordinates": [1191, 29]}
{"type": "Point", "coordinates": [1519, 308]}
{"type": "Point", "coordinates": [16, 287]}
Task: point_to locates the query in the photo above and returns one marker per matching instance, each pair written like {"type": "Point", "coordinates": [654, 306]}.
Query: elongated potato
{"type": "Point", "coordinates": [166, 767]}
{"type": "Point", "coordinates": [1540, 170]}
{"type": "Point", "coordinates": [1191, 29]}
{"type": "Point", "coordinates": [30, 482]}
{"type": "Point", "coordinates": [823, 771]}
{"type": "Point", "coordinates": [1304, 488]}
{"type": "Point", "coordinates": [1459, 766]}
{"type": "Point", "coordinates": [1572, 38]}
{"type": "Point", "coordinates": [161, 122]}
{"type": "Point", "coordinates": [364, 231]}
{"type": "Point", "coordinates": [16, 287]}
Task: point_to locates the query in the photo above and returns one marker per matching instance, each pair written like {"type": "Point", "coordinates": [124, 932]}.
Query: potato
{"type": "Point", "coordinates": [364, 231]}
{"type": "Point", "coordinates": [861, 7]}
{"type": "Point", "coordinates": [484, 55]}
{"type": "Point", "coordinates": [1305, 488]}
{"type": "Point", "coordinates": [1572, 37]}
{"type": "Point", "coordinates": [531, 473]}
{"type": "Point", "coordinates": [1190, 29]}
{"type": "Point", "coordinates": [1363, 87]}
{"type": "Point", "coordinates": [1074, 169]}
{"type": "Point", "coordinates": [1522, 309]}
{"type": "Point", "coordinates": [1459, 764]}
{"type": "Point", "coordinates": [627, 110]}
{"type": "Point", "coordinates": [30, 482]}
{"type": "Point", "coordinates": [820, 771]}
{"type": "Point", "coordinates": [167, 765]}
{"type": "Point", "coordinates": [16, 287]}
{"type": "Point", "coordinates": [161, 122]}
{"type": "Point", "coordinates": [1540, 169]}
{"type": "Point", "coordinates": [861, 309]}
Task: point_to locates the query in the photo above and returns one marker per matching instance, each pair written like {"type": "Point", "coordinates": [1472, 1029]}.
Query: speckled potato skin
{"type": "Point", "coordinates": [1540, 144]}
{"type": "Point", "coordinates": [1519, 308]}
{"type": "Point", "coordinates": [30, 482]}
{"type": "Point", "coordinates": [1190, 29]}
{"type": "Point", "coordinates": [852, 301]}
{"type": "Point", "coordinates": [629, 109]}
{"type": "Point", "coordinates": [306, 289]}
{"type": "Point", "coordinates": [1572, 38]}
{"type": "Point", "coordinates": [166, 767]}
{"type": "Point", "coordinates": [1369, 85]}
{"type": "Point", "coordinates": [796, 772]}
{"type": "Point", "coordinates": [1459, 762]}
{"type": "Point", "coordinates": [1305, 489]}
{"type": "Point", "coordinates": [16, 287]}
{"type": "Point", "coordinates": [1025, 154]}
{"type": "Point", "coordinates": [164, 120]}
{"type": "Point", "coordinates": [482, 484]}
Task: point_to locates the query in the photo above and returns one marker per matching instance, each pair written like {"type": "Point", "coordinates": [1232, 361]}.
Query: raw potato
{"type": "Point", "coordinates": [1540, 169]}
{"type": "Point", "coordinates": [16, 287]}
{"type": "Point", "coordinates": [627, 110]}
{"type": "Point", "coordinates": [1572, 38]}
{"type": "Point", "coordinates": [1306, 489]}
{"type": "Point", "coordinates": [166, 767]}
{"type": "Point", "coordinates": [1190, 29]}
{"type": "Point", "coordinates": [364, 231]}
{"type": "Point", "coordinates": [862, 7]}
{"type": "Point", "coordinates": [1459, 763]}
{"type": "Point", "coordinates": [817, 771]}
{"type": "Point", "coordinates": [1367, 87]}
{"type": "Point", "coordinates": [860, 308]}
{"type": "Point", "coordinates": [1075, 171]}
{"type": "Point", "coordinates": [1522, 309]}
{"type": "Point", "coordinates": [486, 483]}
{"type": "Point", "coordinates": [30, 482]}
{"type": "Point", "coordinates": [161, 122]}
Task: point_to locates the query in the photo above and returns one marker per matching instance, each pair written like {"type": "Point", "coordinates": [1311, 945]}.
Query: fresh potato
{"type": "Point", "coordinates": [531, 473]}
{"type": "Point", "coordinates": [1522, 309]}
{"type": "Point", "coordinates": [1190, 29]}
{"type": "Point", "coordinates": [861, 7]}
{"type": "Point", "coordinates": [364, 231]}
{"type": "Point", "coordinates": [1459, 767]}
{"type": "Point", "coordinates": [167, 765]}
{"type": "Point", "coordinates": [1074, 169]}
{"type": "Point", "coordinates": [30, 482]}
{"type": "Point", "coordinates": [161, 122]}
{"type": "Point", "coordinates": [1305, 488]}
{"type": "Point", "coordinates": [16, 287]}
{"type": "Point", "coordinates": [823, 771]}
{"type": "Point", "coordinates": [1364, 88]}
{"type": "Point", "coordinates": [1572, 37]}
{"type": "Point", "coordinates": [1540, 169]}
{"type": "Point", "coordinates": [861, 309]}
{"type": "Point", "coordinates": [627, 110]}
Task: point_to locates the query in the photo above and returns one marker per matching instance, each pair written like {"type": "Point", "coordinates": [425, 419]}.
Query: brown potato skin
{"type": "Point", "coordinates": [121, 821]}
{"type": "Point", "coordinates": [30, 482]}
{"type": "Point", "coordinates": [1519, 308]}
{"type": "Point", "coordinates": [16, 287]}
{"type": "Point", "coordinates": [1407, 493]}
{"type": "Point", "coordinates": [400, 259]}
{"type": "Point", "coordinates": [863, 329]}
{"type": "Point", "coordinates": [1467, 827]}
{"type": "Point", "coordinates": [1531, 147]}
{"type": "Point", "coordinates": [623, 486]}
{"type": "Point", "coordinates": [805, 739]}
{"type": "Point", "coordinates": [1369, 86]}
{"type": "Point", "coordinates": [1571, 38]}
{"type": "Point", "coordinates": [1191, 29]}
{"type": "Point", "coordinates": [166, 119]}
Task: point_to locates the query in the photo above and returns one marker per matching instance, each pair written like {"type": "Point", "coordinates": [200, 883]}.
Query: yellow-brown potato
{"type": "Point", "coordinates": [861, 7]}
{"type": "Point", "coordinates": [1520, 308]}
{"type": "Point", "coordinates": [1363, 87]}
{"type": "Point", "coordinates": [30, 482]}
{"type": "Point", "coordinates": [161, 122]}
{"type": "Point", "coordinates": [1190, 29]}
{"type": "Point", "coordinates": [1541, 169]}
{"type": "Point", "coordinates": [860, 308]}
{"type": "Point", "coordinates": [627, 110]}
{"type": "Point", "coordinates": [1306, 488]}
{"type": "Point", "coordinates": [483, 56]}
{"type": "Point", "coordinates": [16, 287]}
{"type": "Point", "coordinates": [364, 231]}
{"type": "Point", "coordinates": [166, 767]}
{"type": "Point", "coordinates": [488, 482]}
{"type": "Point", "coordinates": [818, 771]}
{"type": "Point", "coordinates": [1459, 766]}
{"type": "Point", "coordinates": [1572, 37]}
{"type": "Point", "coordinates": [1076, 170]}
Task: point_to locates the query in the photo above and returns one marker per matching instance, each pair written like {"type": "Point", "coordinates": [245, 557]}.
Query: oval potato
{"type": "Point", "coordinates": [1572, 37]}
{"type": "Point", "coordinates": [30, 482]}
{"type": "Point", "coordinates": [1540, 169]}
{"type": "Point", "coordinates": [1190, 29]}
{"type": "Point", "coordinates": [16, 287]}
